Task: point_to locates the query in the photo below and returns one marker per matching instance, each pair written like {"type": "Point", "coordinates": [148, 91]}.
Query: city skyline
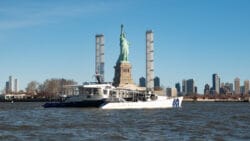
{"type": "Point", "coordinates": [192, 39]}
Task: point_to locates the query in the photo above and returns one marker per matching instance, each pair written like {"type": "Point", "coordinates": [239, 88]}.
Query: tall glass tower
{"type": "Point", "coordinates": [237, 85]}
{"type": "Point", "coordinates": [150, 60]}
{"type": "Point", "coordinates": [99, 57]}
{"type": "Point", "coordinates": [216, 83]}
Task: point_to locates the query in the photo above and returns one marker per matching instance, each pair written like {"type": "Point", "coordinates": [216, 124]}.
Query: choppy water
{"type": "Point", "coordinates": [195, 121]}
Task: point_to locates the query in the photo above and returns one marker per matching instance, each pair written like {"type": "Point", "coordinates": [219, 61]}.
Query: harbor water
{"type": "Point", "coordinates": [194, 121]}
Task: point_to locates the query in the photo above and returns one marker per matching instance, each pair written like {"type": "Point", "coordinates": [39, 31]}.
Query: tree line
{"type": "Point", "coordinates": [50, 88]}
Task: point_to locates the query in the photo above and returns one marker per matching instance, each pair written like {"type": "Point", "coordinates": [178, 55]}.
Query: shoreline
{"type": "Point", "coordinates": [28, 100]}
{"type": "Point", "coordinates": [215, 100]}
{"type": "Point", "coordinates": [184, 100]}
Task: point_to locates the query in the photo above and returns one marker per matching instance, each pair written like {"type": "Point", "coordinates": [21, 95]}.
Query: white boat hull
{"type": "Point", "coordinates": [161, 102]}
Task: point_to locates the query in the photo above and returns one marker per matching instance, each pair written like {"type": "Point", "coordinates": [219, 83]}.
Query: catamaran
{"type": "Point", "coordinates": [106, 96]}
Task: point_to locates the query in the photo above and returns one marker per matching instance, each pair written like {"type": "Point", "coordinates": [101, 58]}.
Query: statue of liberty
{"type": "Point", "coordinates": [123, 68]}
{"type": "Point", "coordinates": [124, 47]}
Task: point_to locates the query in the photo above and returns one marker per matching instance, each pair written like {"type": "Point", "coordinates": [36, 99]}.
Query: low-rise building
{"type": "Point", "coordinates": [15, 96]}
{"type": "Point", "coordinates": [172, 92]}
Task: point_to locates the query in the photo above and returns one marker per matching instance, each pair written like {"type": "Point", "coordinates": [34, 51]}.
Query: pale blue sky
{"type": "Point", "coordinates": [193, 38]}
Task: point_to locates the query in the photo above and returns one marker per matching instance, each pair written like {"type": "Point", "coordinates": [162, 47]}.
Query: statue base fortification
{"type": "Point", "coordinates": [123, 74]}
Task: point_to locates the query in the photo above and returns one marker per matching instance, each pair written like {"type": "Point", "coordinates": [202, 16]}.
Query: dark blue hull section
{"type": "Point", "coordinates": [90, 103]}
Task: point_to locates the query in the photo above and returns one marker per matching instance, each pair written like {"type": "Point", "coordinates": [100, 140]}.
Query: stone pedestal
{"type": "Point", "coordinates": [123, 74]}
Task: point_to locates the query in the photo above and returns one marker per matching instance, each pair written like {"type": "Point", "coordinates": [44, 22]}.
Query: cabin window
{"type": "Point", "coordinates": [95, 91]}
{"type": "Point", "coordinates": [88, 91]}
{"type": "Point", "coordinates": [105, 91]}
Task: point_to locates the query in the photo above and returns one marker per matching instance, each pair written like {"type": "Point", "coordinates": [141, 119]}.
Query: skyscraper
{"type": "Point", "coordinates": [16, 88]}
{"type": "Point", "coordinates": [246, 86]}
{"type": "Point", "coordinates": [216, 83]}
{"type": "Point", "coordinates": [237, 85]}
{"type": "Point", "coordinates": [206, 89]}
{"type": "Point", "coordinates": [157, 82]}
{"type": "Point", "coordinates": [178, 87]}
{"type": "Point", "coordinates": [99, 57]}
{"type": "Point", "coordinates": [149, 60]}
{"type": "Point", "coordinates": [142, 82]}
{"type": "Point", "coordinates": [7, 87]}
{"type": "Point", "coordinates": [229, 86]}
{"type": "Point", "coordinates": [190, 86]}
{"type": "Point", "coordinates": [242, 88]}
{"type": "Point", "coordinates": [184, 87]}
{"type": "Point", "coordinates": [11, 84]}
